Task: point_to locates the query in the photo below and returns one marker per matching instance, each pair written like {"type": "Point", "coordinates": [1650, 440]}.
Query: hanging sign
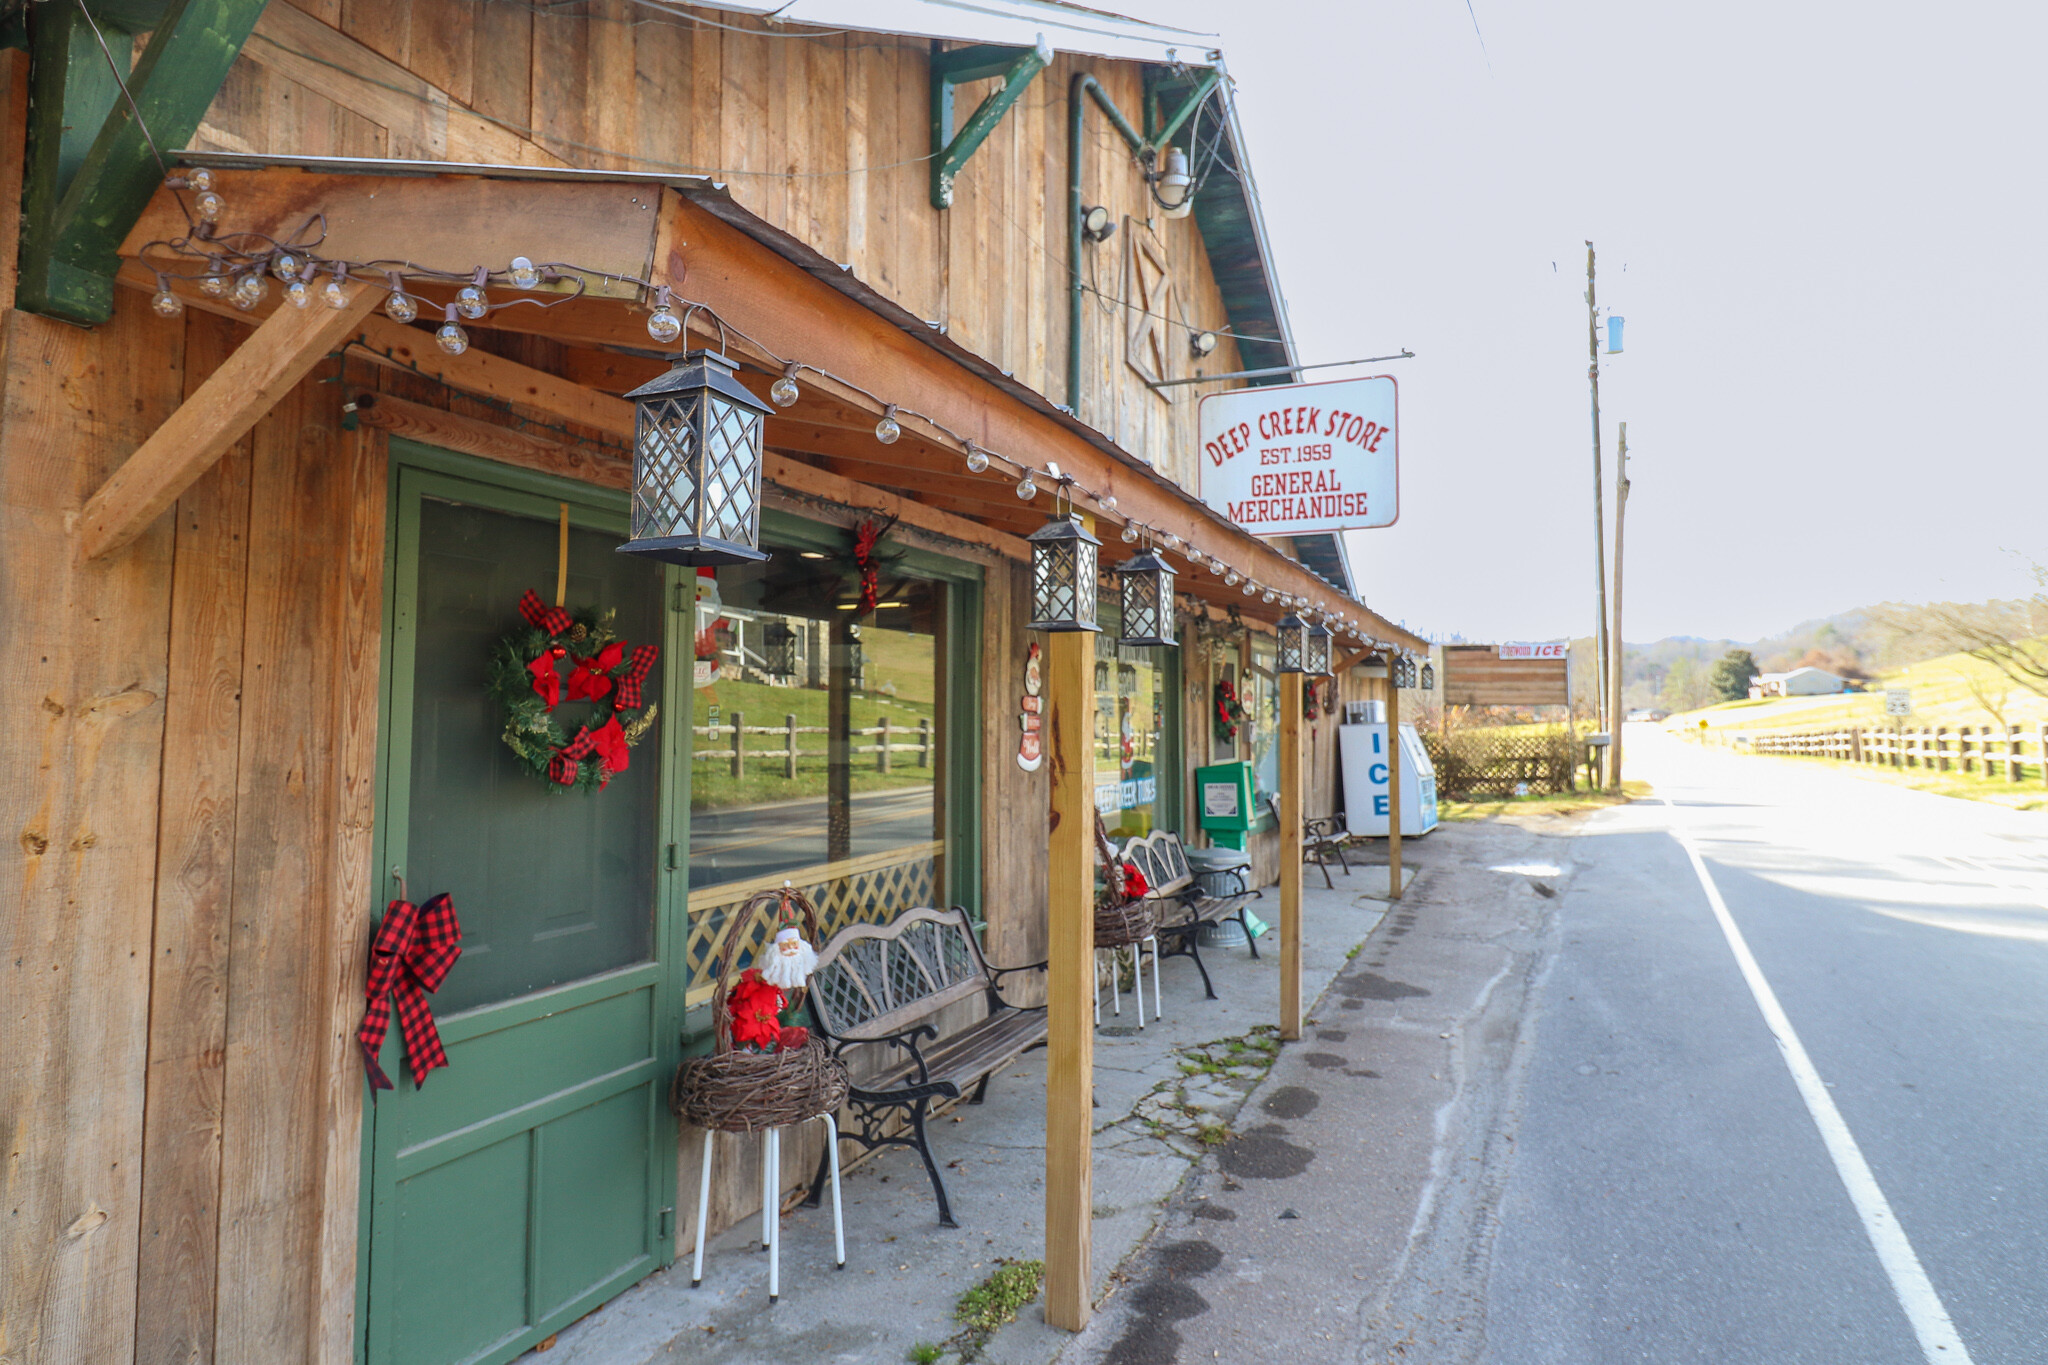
{"type": "Point", "coordinates": [1301, 458]}
{"type": "Point", "coordinates": [1539, 649]}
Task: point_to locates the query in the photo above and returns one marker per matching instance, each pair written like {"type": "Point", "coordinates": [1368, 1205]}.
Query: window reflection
{"type": "Point", "coordinates": [1131, 748]}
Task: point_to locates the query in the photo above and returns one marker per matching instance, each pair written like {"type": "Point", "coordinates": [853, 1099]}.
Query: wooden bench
{"type": "Point", "coordinates": [873, 997]}
{"type": "Point", "coordinates": [1187, 909]}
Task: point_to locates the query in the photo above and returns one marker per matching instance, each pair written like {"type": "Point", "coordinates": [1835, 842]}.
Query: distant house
{"type": "Point", "coordinates": [1800, 682]}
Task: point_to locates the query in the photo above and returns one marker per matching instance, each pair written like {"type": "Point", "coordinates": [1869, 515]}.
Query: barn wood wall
{"type": "Point", "coordinates": [825, 137]}
{"type": "Point", "coordinates": [191, 823]}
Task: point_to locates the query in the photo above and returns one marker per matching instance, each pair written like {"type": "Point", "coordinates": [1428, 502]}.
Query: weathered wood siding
{"type": "Point", "coordinates": [827, 137]}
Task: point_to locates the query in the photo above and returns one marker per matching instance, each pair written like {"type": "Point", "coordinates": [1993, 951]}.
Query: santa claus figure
{"type": "Point", "coordinates": [789, 961]}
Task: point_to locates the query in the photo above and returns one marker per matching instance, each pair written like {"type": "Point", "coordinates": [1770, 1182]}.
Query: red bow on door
{"type": "Point", "coordinates": [414, 949]}
{"type": "Point", "coordinates": [553, 620]}
{"type": "Point", "coordinates": [628, 698]}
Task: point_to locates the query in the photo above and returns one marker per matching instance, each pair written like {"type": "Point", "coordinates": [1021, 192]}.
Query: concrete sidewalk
{"type": "Point", "coordinates": [1159, 1094]}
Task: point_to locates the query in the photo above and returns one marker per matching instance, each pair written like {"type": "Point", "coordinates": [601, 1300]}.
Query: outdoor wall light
{"type": "Point", "coordinates": [1429, 677]}
{"type": "Point", "coordinates": [1315, 653]}
{"type": "Point", "coordinates": [1146, 590]}
{"type": "Point", "coordinates": [1174, 188]}
{"type": "Point", "coordinates": [697, 465]}
{"type": "Point", "coordinates": [1293, 645]}
{"type": "Point", "coordinates": [1201, 343]}
{"type": "Point", "coordinates": [1063, 566]}
{"type": "Point", "coordinates": [1096, 224]}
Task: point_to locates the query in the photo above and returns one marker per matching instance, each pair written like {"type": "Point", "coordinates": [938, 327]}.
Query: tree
{"type": "Point", "coordinates": [1686, 687]}
{"type": "Point", "coordinates": [1732, 675]}
{"type": "Point", "coordinates": [2011, 635]}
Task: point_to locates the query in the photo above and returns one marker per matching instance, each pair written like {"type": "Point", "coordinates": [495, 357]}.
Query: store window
{"type": "Point", "coordinates": [1262, 709]}
{"type": "Point", "coordinates": [820, 734]}
{"type": "Point", "coordinates": [1136, 725]}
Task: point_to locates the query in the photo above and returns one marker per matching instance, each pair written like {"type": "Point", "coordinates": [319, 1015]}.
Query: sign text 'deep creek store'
{"type": "Point", "coordinates": [1302, 458]}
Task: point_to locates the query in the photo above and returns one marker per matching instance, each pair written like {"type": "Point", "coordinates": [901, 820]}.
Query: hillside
{"type": "Point", "coordinates": [1952, 690]}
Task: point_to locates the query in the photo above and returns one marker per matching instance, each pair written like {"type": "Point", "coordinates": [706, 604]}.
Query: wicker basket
{"type": "Point", "coordinates": [1118, 924]}
{"type": "Point", "coordinates": [746, 1092]}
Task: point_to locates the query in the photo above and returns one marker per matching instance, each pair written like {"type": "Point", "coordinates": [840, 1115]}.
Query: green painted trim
{"type": "Point", "coordinates": [950, 150]}
{"type": "Point", "coordinates": [78, 205]}
{"type": "Point", "coordinates": [1158, 136]}
{"type": "Point", "coordinates": [416, 471]}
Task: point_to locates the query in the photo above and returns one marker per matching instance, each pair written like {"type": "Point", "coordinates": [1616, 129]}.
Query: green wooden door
{"type": "Point", "coordinates": [533, 1178]}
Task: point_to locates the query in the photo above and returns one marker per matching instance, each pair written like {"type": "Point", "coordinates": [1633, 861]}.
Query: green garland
{"type": "Point", "coordinates": [531, 730]}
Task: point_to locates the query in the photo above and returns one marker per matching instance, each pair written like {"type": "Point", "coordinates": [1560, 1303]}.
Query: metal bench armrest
{"type": "Point", "coordinates": [907, 1094]}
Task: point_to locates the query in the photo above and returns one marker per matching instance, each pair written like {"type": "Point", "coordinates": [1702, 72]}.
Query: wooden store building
{"type": "Point", "coordinates": [318, 321]}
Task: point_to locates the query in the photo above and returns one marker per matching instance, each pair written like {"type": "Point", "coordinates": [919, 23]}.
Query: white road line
{"type": "Point", "coordinates": [1938, 1339]}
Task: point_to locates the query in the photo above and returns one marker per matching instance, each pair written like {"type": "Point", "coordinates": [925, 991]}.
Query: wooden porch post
{"type": "Point", "coordinates": [1290, 855]}
{"type": "Point", "coordinates": [1393, 783]}
{"type": "Point", "coordinates": [1070, 979]}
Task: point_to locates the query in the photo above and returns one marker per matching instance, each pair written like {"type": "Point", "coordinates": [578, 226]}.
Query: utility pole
{"type": "Point", "coordinates": [1600, 698]}
{"type": "Point", "coordinates": [1614, 689]}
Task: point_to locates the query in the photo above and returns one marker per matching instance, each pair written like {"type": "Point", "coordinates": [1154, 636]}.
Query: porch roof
{"type": "Point", "coordinates": [626, 228]}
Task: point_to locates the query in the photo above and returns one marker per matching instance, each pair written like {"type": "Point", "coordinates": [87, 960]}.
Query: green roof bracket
{"type": "Point", "coordinates": [90, 169]}
{"type": "Point", "coordinates": [1170, 124]}
{"type": "Point", "coordinates": [950, 150]}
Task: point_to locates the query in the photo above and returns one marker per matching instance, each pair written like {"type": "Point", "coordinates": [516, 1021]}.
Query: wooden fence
{"type": "Point", "coordinates": [1481, 762]}
{"type": "Point", "coordinates": [1990, 749]}
{"type": "Point", "coordinates": [734, 750]}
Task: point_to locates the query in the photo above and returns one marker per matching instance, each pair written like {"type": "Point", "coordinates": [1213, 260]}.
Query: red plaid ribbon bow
{"type": "Point", "coordinates": [628, 697]}
{"type": "Point", "coordinates": [411, 955]}
{"type": "Point", "coordinates": [607, 741]}
{"type": "Point", "coordinates": [553, 620]}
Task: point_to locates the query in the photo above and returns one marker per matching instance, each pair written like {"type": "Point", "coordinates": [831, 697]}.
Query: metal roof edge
{"type": "Point", "coordinates": [1257, 212]}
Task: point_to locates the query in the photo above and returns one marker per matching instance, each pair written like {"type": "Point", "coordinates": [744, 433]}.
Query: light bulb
{"type": "Point", "coordinates": [1108, 503]}
{"type": "Point", "coordinates": [333, 293]}
{"type": "Point", "coordinates": [525, 274]}
{"type": "Point", "coordinates": [888, 429]}
{"type": "Point", "coordinates": [452, 338]}
{"type": "Point", "coordinates": [782, 393]}
{"type": "Point", "coordinates": [1250, 587]}
{"type": "Point", "coordinates": [1026, 489]}
{"type": "Point", "coordinates": [1130, 533]}
{"type": "Point", "coordinates": [201, 179]}
{"type": "Point", "coordinates": [166, 303]}
{"type": "Point", "coordinates": [1231, 578]}
{"type": "Point", "coordinates": [977, 459]}
{"type": "Point", "coordinates": [250, 290]}
{"type": "Point", "coordinates": [1266, 596]}
{"type": "Point", "coordinates": [472, 303]}
{"type": "Point", "coordinates": [399, 306]}
{"type": "Point", "coordinates": [1215, 566]}
{"type": "Point", "coordinates": [298, 294]}
{"type": "Point", "coordinates": [214, 285]}
{"type": "Point", "coordinates": [663, 325]}
{"type": "Point", "coordinates": [208, 206]}
{"type": "Point", "coordinates": [286, 265]}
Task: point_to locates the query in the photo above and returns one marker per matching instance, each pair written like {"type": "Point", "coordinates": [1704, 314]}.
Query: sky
{"type": "Point", "coordinates": [1823, 223]}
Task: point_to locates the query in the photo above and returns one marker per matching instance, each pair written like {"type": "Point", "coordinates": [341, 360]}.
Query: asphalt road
{"type": "Point", "coordinates": [1546, 1117]}
{"type": "Point", "coordinates": [1671, 1196]}
{"type": "Point", "coordinates": [752, 841]}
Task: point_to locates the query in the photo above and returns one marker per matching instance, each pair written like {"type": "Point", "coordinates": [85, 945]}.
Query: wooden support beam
{"type": "Point", "coordinates": [472, 436]}
{"type": "Point", "coordinates": [267, 366]}
{"type": "Point", "coordinates": [1290, 856]}
{"type": "Point", "coordinates": [1070, 979]}
{"type": "Point", "coordinates": [1393, 784]}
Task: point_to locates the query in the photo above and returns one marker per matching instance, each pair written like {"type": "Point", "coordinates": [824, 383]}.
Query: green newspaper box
{"type": "Point", "coordinates": [1223, 801]}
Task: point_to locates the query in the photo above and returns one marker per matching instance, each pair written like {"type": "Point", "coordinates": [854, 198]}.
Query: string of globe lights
{"type": "Point", "coordinates": [239, 266]}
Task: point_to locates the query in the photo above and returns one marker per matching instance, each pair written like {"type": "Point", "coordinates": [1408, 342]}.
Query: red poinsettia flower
{"type": "Point", "coordinates": [1135, 884]}
{"type": "Point", "coordinates": [794, 1039]}
{"type": "Point", "coordinates": [754, 1005]}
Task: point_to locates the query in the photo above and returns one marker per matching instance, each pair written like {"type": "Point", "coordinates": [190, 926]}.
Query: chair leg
{"type": "Point", "coordinates": [703, 1210]}
{"type": "Point", "coordinates": [931, 1167]}
{"type": "Point", "coordinates": [1323, 861]}
{"type": "Point", "coordinates": [1250, 940]}
{"type": "Point", "coordinates": [767, 1192]}
{"type": "Point", "coordinates": [1158, 1010]}
{"type": "Point", "coordinates": [1138, 977]}
{"type": "Point", "coordinates": [773, 1142]}
{"type": "Point", "coordinates": [831, 1158]}
{"type": "Point", "coordinates": [981, 1090]}
{"type": "Point", "coordinates": [1195, 952]}
{"type": "Point", "coordinates": [832, 1155]}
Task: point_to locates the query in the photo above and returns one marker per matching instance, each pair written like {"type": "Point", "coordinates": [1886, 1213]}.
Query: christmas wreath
{"type": "Point", "coordinates": [525, 680]}
{"type": "Point", "coordinates": [1230, 712]}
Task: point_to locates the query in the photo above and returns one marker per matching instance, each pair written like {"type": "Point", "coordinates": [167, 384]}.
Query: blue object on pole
{"type": "Point", "coordinates": [1614, 335]}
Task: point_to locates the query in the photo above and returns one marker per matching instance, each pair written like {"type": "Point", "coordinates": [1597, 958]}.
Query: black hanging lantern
{"type": "Point", "coordinates": [1146, 585]}
{"type": "Point", "coordinates": [1315, 651]}
{"type": "Point", "coordinates": [1063, 557]}
{"type": "Point", "coordinates": [1429, 677]}
{"type": "Point", "coordinates": [697, 465]}
{"type": "Point", "coordinates": [778, 649]}
{"type": "Point", "coordinates": [1293, 647]}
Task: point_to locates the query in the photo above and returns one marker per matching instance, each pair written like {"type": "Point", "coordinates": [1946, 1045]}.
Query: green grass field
{"type": "Point", "coordinates": [1941, 691]}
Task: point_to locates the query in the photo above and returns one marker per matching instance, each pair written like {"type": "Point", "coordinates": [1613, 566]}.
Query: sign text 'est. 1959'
{"type": "Point", "coordinates": [1300, 458]}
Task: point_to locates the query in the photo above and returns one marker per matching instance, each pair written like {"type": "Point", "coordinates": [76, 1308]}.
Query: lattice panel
{"type": "Point", "coordinates": [874, 895]}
